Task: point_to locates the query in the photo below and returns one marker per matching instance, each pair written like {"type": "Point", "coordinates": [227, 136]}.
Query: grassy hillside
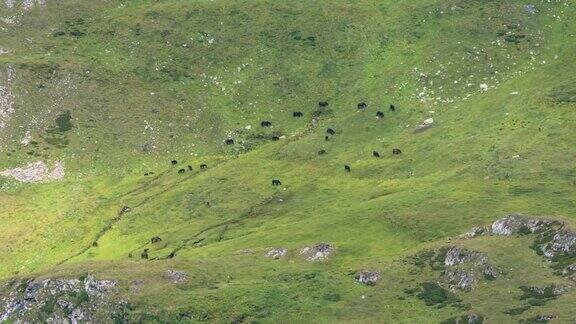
{"type": "Point", "coordinates": [147, 82]}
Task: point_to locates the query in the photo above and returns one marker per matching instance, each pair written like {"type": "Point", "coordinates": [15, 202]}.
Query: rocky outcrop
{"type": "Point", "coordinates": [465, 267]}
{"type": "Point", "coordinates": [63, 300]}
{"type": "Point", "coordinates": [512, 224]}
{"type": "Point", "coordinates": [518, 224]}
{"type": "Point", "coordinates": [318, 252]}
{"type": "Point", "coordinates": [368, 277]}
{"type": "Point", "coordinates": [277, 252]}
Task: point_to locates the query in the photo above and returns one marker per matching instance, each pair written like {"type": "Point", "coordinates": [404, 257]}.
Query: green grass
{"type": "Point", "coordinates": [119, 89]}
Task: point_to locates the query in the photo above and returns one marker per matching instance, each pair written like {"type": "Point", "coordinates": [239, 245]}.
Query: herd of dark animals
{"type": "Point", "coordinates": [276, 182]}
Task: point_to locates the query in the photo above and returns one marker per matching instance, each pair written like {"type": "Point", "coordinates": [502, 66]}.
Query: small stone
{"type": "Point", "coordinates": [368, 277]}
{"type": "Point", "coordinates": [530, 9]}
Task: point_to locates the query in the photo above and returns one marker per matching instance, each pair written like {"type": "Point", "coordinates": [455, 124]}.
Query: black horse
{"type": "Point", "coordinates": [347, 168]}
{"type": "Point", "coordinates": [276, 182]}
{"type": "Point", "coordinates": [376, 154]}
{"type": "Point", "coordinates": [265, 124]}
{"type": "Point", "coordinates": [330, 131]}
{"type": "Point", "coordinates": [297, 114]}
{"type": "Point", "coordinates": [392, 108]}
{"type": "Point", "coordinates": [229, 141]}
{"type": "Point", "coordinates": [379, 114]}
{"type": "Point", "coordinates": [323, 104]}
{"type": "Point", "coordinates": [396, 151]}
{"type": "Point", "coordinates": [362, 105]}
{"type": "Point", "coordinates": [203, 166]}
{"type": "Point", "coordinates": [181, 171]}
{"type": "Point", "coordinates": [174, 162]}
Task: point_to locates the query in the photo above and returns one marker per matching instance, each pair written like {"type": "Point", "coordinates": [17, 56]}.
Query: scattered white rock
{"type": "Point", "coordinates": [318, 252]}
{"type": "Point", "coordinates": [6, 96]}
{"type": "Point", "coordinates": [27, 138]}
{"type": "Point", "coordinates": [176, 276]}
{"type": "Point", "coordinates": [428, 121]}
{"type": "Point", "coordinates": [276, 253]}
{"type": "Point", "coordinates": [36, 172]}
{"type": "Point", "coordinates": [483, 87]}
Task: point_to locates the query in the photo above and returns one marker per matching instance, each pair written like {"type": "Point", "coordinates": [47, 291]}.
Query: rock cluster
{"type": "Point", "coordinates": [277, 252]}
{"type": "Point", "coordinates": [368, 277]}
{"type": "Point", "coordinates": [318, 252]}
{"type": "Point", "coordinates": [562, 242]}
{"type": "Point", "coordinates": [62, 300]}
{"type": "Point", "coordinates": [552, 239]}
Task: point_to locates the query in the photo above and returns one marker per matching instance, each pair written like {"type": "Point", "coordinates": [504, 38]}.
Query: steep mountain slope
{"type": "Point", "coordinates": [114, 90]}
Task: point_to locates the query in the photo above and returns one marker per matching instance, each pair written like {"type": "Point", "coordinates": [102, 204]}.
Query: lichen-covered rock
{"type": "Point", "coordinates": [98, 287]}
{"type": "Point", "coordinates": [458, 255]}
{"type": "Point", "coordinates": [464, 267]}
{"type": "Point", "coordinates": [463, 279]}
{"type": "Point", "coordinates": [368, 277]}
{"type": "Point", "coordinates": [176, 276]}
{"type": "Point", "coordinates": [563, 242]}
{"type": "Point", "coordinates": [569, 270]}
{"type": "Point", "coordinates": [546, 292]}
{"type": "Point", "coordinates": [518, 224]}
{"type": "Point", "coordinates": [277, 253]}
{"type": "Point", "coordinates": [318, 252]}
